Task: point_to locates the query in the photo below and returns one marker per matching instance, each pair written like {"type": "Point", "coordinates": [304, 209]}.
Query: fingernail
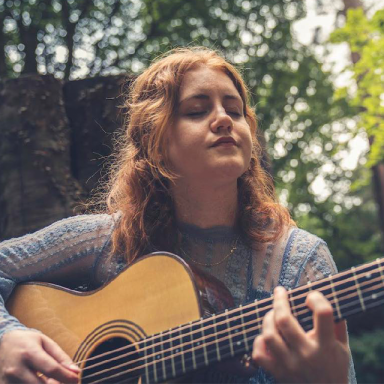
{"type": "Point", "coordinates": [279, 289]}
{"type": "Point", "coordinates": [72, 367]}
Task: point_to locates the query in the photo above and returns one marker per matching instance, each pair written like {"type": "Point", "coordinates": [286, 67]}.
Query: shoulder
{"type": "Point", "coordinates": [304, 241]}
{"type": "Point", "coordinates": [94, 225]}
{"type": "Point", "coordinates": [83, 223]}
{"type": "Point", "coordinates": [305, 253]}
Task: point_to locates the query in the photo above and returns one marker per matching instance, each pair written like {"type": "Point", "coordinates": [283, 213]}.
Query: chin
{"type": "Point", "coordinates": [231, 171]}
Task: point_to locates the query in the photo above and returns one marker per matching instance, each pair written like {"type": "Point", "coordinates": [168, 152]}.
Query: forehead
{"type": "Point", "coordinates": [206, 80]}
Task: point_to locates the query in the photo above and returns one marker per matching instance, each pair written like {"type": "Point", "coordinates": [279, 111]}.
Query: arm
{"type": "Point", "coordinates": [64, 253]}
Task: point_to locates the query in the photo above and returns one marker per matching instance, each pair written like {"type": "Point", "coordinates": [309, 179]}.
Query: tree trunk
{"type": "Point", "coordinates": [36, 184]}
{"type": "Point", "coordinates": [94, 110]}
{"type": "Point", "coordinates": [378, 169]}
{"type": "Point", "coordinates": [54, 138]}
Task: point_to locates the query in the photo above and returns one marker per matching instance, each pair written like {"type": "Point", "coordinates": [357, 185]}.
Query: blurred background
{"type": "Point", "coordinates": [315, 70]}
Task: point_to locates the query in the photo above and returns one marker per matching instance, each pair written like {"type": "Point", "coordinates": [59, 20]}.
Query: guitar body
{"type": "Point", "coordinates": [157, 293]}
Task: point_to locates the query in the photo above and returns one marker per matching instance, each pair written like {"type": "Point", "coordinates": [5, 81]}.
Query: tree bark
{"type": "Point", "coordinates": [54, 139]}
{"type": "Point", "coordinates": [94, 110]}
{"type": "Point", "coordinates": [36, 184]}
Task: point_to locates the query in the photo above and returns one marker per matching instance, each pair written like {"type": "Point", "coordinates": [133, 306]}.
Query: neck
{"type": "Point", "coordinates": [205, 206]}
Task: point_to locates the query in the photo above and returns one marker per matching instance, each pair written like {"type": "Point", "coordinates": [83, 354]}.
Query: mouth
{"type": "Point", "coordinates": [225, 141]}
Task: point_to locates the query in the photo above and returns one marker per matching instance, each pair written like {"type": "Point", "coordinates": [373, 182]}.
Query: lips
{"type": "Point", "coordinates": [227, 140]}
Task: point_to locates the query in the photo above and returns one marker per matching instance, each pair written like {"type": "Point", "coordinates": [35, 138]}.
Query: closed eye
{"type": "Point", "coordinates": [234, 113]}
{"type": "Point", "coordinates": [196, 113]}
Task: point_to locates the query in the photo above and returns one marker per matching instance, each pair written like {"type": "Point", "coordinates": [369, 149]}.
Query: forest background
{"type": "Point", "coordinates": [310, 119]}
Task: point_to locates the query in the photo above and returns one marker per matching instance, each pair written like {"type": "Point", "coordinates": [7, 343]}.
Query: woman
{"type": "Point", "coordinates": [188, 180]}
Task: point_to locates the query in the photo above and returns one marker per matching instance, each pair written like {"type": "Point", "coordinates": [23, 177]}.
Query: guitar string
{"type": "Point", "coordinates": [204, 337]}
{"type": "Point", "coordinates": [225, 355]}
{"type": "Point", "coordinates": [256, 320]}
{"type": "Point", "coordinates": [247, 306]}
{"type": "Point", "coordinates": [140, 373]}
{"type": "Point", "coordinates": [352, 295]}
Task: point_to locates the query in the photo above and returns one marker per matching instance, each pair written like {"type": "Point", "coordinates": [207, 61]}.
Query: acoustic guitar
{"type": "Point", "coordinates": [160, 319]}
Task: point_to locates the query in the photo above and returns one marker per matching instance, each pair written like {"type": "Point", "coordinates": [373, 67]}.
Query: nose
{"type": "Point", "coordinates": [222, 122]}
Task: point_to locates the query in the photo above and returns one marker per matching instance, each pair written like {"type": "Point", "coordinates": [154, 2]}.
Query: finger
{"type": "Point", "coordinates": [286, 323]}
{"type": "Point", "coordinates": [323, 323]}
{"type": "Point", "coordinates": [52, 381]}
{"type": "Point", "coordinates": [44, 363]}
{"type": "Point", "coordinates": [341, 332]}
{"type": "Point", "coordinates": [58, 354]}
{"type": "Point", "coordinates": [25, 376]}
{"type": "Point", "coordinates": [261, 355]}
{"type": "Point", "coordinates": [272, 339]}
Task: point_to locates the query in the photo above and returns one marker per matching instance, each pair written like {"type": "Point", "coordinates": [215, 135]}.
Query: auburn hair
{"type": "Point", "coordinates": [139, 184]}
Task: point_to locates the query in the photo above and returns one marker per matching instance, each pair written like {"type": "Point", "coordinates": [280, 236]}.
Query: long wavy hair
{"type": "Point", "coordinates": [138, 187]}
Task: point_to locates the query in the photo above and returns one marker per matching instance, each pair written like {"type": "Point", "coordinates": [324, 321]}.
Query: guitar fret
{"type": "Point", "coordinates": [162, 357]}
{"type": "Point", "coordinates": [172, 353]}
{"type": "Point", "coordinates": [380, 270]}
{"type": "Point", "coordinates": [181, 350]}
{"type": "Point", "coordinates": [358, 290]}
{"type": "Point", "coordinates": [154, 364]}
{"type": "Point", "coordinates": [146, 361]}
{"type": "Point", "coordinates": [335, 297]}
{"type": "Point", "coordinates": [204, 345]}
{"type": "Point", "coordinates": [229, 333]}
{"type": "Point", "coordinates": [243, 326]}
{"type": "Point", "coordinates": [292, 304]}
{"type": "Point", "coordinates": [217, 342]}
{"type": "Point", "coordinates": [193, 348]}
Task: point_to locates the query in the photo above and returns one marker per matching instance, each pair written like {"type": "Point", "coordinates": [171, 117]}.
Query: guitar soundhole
{"type": "Point", "coordinates": [113, 361]}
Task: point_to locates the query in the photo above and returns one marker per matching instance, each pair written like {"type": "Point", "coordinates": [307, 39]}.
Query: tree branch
{"type": "Point", "coordinates": [71, 28]}
{"type": "Point", "coordinates": [28, 37]}
{"type": "Point", "coordinates": [115, 10]}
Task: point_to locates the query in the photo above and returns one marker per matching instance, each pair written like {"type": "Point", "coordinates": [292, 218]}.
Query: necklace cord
{"type": "Point", "coordinates": [233, 249]}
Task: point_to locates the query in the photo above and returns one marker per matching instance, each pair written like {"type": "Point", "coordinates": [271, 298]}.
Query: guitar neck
{"type": "Point", "coordinates": [230, 333]}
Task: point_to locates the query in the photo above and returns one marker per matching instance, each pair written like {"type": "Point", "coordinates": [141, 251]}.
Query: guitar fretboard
{"type": "Point", "coordinates": [198, 344]}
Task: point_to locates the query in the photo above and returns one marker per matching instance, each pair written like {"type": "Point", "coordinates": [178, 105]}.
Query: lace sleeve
{"type": "Point", "coordinates": [319, 265]}
{"type": "Point", "coordinates": [63, 253]}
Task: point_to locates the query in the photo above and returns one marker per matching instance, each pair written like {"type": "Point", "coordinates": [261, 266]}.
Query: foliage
{"type": "Point", "coordinates": [308, 129]}
{"type": "Point", "coordinates": [75, 38]}
{"type": "Point", "coordinates": [366, 37]}
{"type": "Point", "coordinates": [368, 350]}
{"type": "Point", "coordinates": [294, 97]}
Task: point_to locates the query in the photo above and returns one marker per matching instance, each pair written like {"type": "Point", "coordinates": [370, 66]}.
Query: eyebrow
{"type": "Point", "coordinates": [203, 96]}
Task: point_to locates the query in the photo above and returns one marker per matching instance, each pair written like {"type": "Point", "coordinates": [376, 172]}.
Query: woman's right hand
{"type": "Point", "coordinates": [31, 357]}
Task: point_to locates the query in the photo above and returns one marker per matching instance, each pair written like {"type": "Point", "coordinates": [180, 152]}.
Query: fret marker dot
{"type": "Point", "coordinates": [368, 276]}
{"type": "Point", "coordinates": [238, 343]}
{"type": "Point", "coordinates": [198, 343]}
{"type": "Point", "coordinates": [374, 296]}
{"type": "Point", "coordinates": [177, 350]}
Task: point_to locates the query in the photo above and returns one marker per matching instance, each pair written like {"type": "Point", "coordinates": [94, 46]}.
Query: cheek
{"type": "Point", "coordinates": [248, 146]}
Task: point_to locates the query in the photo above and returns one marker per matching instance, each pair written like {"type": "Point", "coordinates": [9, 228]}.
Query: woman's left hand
{"type": "Point", "coordinates": [290, 354]}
